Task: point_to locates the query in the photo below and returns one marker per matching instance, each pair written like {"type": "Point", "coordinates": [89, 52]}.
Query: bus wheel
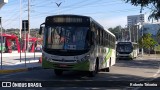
{"type": "Point", "coordinates": [108, 69]}
{"type": "Point", "coordinates": [58, 72]}
{"type": "Point", "coordinates": [93, 73]}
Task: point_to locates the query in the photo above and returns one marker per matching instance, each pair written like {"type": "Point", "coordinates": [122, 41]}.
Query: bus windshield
{"type": "Point", "coordinates": [124, 48]}
{"type": "Point", "coordinates": [67, 38]}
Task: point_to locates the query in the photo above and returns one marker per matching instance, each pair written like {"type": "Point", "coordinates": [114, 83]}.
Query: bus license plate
{"type": "Point", "coordinates": [62, 65]}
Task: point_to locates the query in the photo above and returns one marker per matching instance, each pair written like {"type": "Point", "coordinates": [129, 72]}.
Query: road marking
{"type": "Point", "coordinates": [154, 76]}
{"type": "Point", "coordinates": [158, 72]}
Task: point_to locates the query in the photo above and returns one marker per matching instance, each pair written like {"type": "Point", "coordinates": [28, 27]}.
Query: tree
{"type": "Point", "coordinates": [155, 6]}
{"type": "Point", "coordinates": [116, 31]}
{"type": "Point", "coordinates": [148, 42]}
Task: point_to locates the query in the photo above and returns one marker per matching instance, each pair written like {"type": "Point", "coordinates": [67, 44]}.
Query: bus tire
{"type": "Point", "coordinates": [58, 72]}
{"type": "Point", "coordinates": [93, 73]}
{"type": "Point", "coordinates": [107, 69]}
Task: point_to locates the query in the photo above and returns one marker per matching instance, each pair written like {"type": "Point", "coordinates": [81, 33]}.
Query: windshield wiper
{"type": "Point", "coordinates": [63, 50]}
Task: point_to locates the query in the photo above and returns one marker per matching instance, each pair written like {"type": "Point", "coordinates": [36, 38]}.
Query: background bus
{"type": "Point", "coordinates": [126, 50]}
{"type": "Point", "coordinates": [74, 42]}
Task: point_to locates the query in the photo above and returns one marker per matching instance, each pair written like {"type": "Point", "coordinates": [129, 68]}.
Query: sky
{"type": "Point", "coordinates": [109, 13]}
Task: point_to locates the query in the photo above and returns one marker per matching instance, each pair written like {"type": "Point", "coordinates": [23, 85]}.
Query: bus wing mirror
{"type": "Point", "coordinates": [41, 28]}
{"type": "Point", "coordinates": [40, 31]}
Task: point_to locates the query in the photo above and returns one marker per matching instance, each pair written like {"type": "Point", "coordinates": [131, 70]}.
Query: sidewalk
{"type": "Point", "coordinates": [151, 56]}
{"type": "Point", "coordinates": [11, 62]}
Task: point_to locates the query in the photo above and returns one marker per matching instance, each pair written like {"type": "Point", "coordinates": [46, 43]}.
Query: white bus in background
{"type": "Point", "coordinates": [126, 50]}
{"type": "Point", "coordinates": [78, 43]}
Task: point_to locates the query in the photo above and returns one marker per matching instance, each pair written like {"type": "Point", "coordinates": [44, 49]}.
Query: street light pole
{"type": "Point", "coordinates": [129, 33]}
{"type": "Point", "coordinates": [28, 35]}
{"type": "Point", "coordinates": [137, 27]}
{"type": "Point", "coordinates": [142, 38]}
{"type": "Point", "coordinates": [2, 2]}
{"type": "Point", "coordinates": [1, 42]}
{"type": "Point", "coordinates": [20, 19]}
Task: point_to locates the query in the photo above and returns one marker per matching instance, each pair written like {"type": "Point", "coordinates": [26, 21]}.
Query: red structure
{"type": "Point", "coordinates": [24, 43]}
{"type": "Point", "coordinates": [8, 43]}
{"type": "Point", "coordinates": [32, 42]}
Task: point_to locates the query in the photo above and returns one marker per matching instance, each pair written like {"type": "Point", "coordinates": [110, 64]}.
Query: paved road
{"type": "Point", "coordinates": [123, 70]}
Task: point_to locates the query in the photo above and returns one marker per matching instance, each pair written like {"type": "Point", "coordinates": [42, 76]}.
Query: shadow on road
{"type": "Point", "coordinates": [47, 75]}
{"type": "Point", "coordinates": [148, 64]}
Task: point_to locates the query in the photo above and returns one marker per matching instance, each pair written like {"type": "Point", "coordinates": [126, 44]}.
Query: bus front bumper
{"type": "Point", "coordinates": [80, 66]}
{"type": "Point", "coordinates": [124, 56]}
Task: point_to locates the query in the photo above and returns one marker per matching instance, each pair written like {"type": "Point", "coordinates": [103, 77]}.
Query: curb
{"type": "Point", "coordinates": [12, 71]}
{"type": "Point", "coordinates": [19, 70]}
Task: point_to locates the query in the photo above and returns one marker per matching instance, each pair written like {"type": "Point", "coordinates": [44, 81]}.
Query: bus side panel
{"type": "Point", "coordinates": [93, 56]}
{"type": "Point", "coordinates": [113, 59]}
{"type": "Point", "coordinates": [107, 54]}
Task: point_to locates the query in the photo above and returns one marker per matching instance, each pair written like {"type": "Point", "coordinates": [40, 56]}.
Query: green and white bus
{"type": "Point", "coordinates": [78, 43]}
{"type": "Point", "coordinates": [126, 50]}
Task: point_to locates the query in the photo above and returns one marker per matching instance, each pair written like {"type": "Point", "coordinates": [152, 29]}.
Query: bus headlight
{"type": "Point", "coordinates": [48, 59]}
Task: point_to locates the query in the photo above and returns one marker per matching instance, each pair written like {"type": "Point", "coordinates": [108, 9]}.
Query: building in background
{"type": "Point", "coordinates": [2, 2]}
{"type": "Point", "coordinates": [135, 19]}
{"type": "Point", "coordinates": [134, 24]}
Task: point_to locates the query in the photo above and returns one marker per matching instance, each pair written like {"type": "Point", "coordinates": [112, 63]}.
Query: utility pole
{"type": "Point", "coordinates": [20, 19]}
{"type": "Point", "coordinates": [142, 26]}
{"type": "Point", "coordinates": [28, 24]}
{"type": "Point", "coordinates": [1, 40]}
{"type": "Point", "coordinates": [2, 2]}
{"type": "Point", "coordinates": [137, 27]}
{"type": "Point", "coordinates": [20, 15]}
{"type": "Point", "coordinates": [129, 33]}
{"type": "Point", "coordinates": [142, 36]}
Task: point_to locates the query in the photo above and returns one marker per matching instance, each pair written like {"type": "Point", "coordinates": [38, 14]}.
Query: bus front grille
{"type": "Point", "coordinates": [64, 60]}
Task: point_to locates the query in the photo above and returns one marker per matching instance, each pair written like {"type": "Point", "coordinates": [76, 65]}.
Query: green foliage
{"type": "Point", "coordinates": [155, 9]}
{"type": "Point", "coordinates": [147, 41]}
{"type": "Point", "coordinates": [116, 31]}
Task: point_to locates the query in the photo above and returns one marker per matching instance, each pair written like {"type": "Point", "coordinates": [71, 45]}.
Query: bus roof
{"type": "Point", "coordinates": [110, 33]}
{"type": "Point", "coordinates": [65, 15]}
{"type": "Point", "coordinates": [90, 18]}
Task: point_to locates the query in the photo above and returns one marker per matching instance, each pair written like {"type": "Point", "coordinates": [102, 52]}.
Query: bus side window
{"type": "Point", "coordinates": [92, 38]}
{"type": "Point", "coordinates": [97, 37]}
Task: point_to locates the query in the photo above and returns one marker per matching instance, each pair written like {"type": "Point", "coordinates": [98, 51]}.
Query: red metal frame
{"type": "Point", "coordinates": [10, 37]}
{"type": "Point", "coordinates": [31, 39]}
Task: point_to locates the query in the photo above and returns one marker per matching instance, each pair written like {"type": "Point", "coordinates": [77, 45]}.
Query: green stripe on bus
{"type": "Point", "coordinates": [108, 55]}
